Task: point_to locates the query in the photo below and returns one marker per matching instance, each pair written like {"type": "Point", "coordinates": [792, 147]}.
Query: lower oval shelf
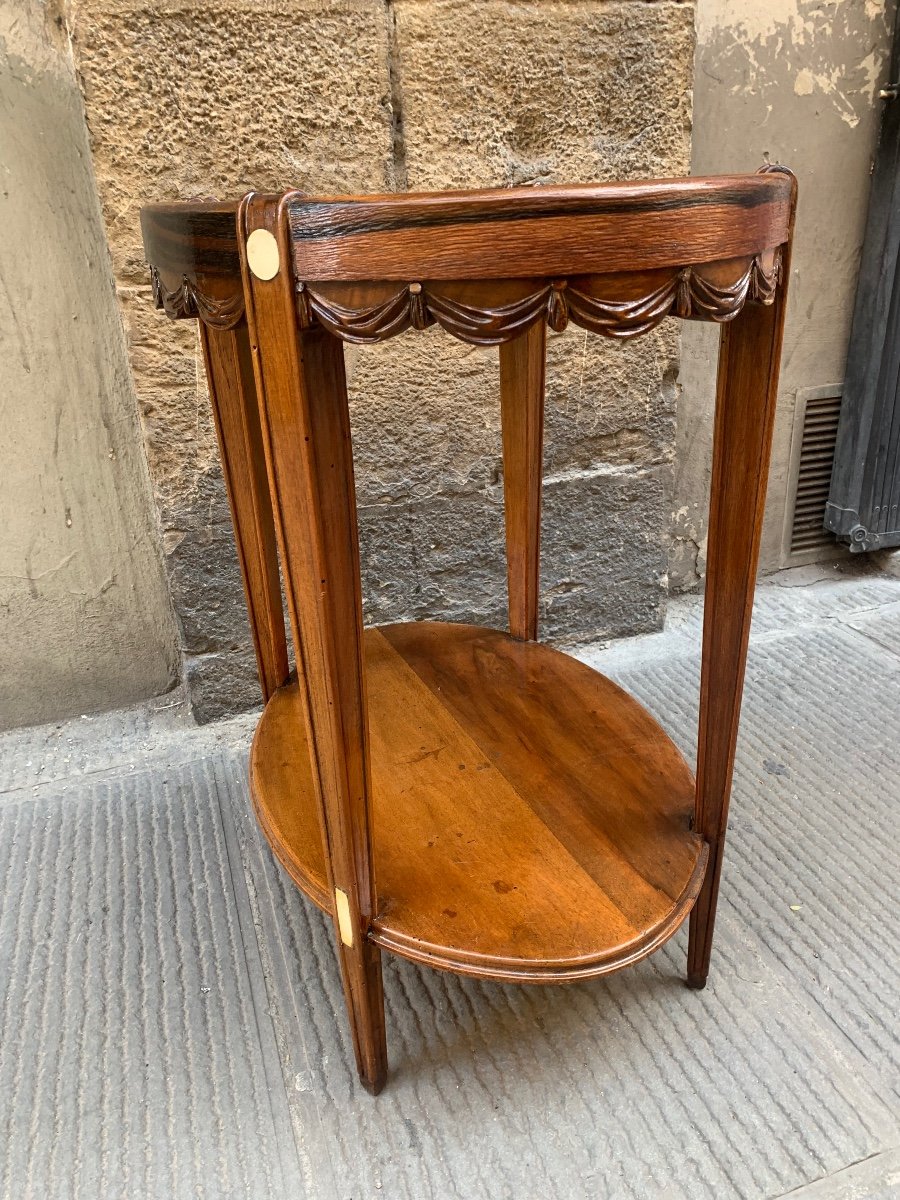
{"type": "Point", "coordinates": [530, 820]}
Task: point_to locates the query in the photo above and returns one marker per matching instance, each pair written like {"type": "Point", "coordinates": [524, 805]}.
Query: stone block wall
{"type": "Point", "coordinates": [190, 97]}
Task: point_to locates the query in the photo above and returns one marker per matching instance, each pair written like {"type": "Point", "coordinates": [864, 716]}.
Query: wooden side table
{"type": "Point", "coordinates": [467, 798]}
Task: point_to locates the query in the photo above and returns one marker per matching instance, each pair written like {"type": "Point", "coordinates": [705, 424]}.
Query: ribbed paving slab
{"type": "Point", "coordinates": [630, 1087]}
{"type": "Point", "coordinates": [131, 1062]}
{"type": "Point", "coordinates": [128, 893]}
{"type": "Point", "coordinates": [813, 861]}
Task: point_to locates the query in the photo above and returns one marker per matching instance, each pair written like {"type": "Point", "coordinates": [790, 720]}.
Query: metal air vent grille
{"type": "Point", "coordinates": [812, 479]}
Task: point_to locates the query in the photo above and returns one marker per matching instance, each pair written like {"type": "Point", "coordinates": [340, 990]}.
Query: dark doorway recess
{"type": "Point", "coordinates": [864, 500]}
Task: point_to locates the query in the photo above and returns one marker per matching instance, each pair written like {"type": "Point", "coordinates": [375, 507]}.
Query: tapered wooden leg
{"type": "Point", "coordinates": [745, 408]}
{"type": "Point", "coordinates": [307, 436]}
{"type": "Point", "coordinates": [522, 369]}
{"type": "Point", "coordinates": [232, 391]}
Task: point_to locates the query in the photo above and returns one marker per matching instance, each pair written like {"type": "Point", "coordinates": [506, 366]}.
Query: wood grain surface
{"type": "Point", "coordinates": [232, 394]}
{"type": "Point", "coordinates": [306, 431]}
{"type": "Point", "coordinates": [531, 821]}
{"type": "Point", "coordinates": [746, 394]}
{"type": "Point", "coordinates": [463, 797]}
{"type": "Point", "coordinates": [499, 232]}
{"type": "Point", "coordinates": [522, 371]}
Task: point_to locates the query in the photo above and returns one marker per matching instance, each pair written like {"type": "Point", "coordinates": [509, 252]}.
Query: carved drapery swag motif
{"type": "Point", "coordinates": [687, 294]}
{"type": "Point", "coordinates": [188, 300]}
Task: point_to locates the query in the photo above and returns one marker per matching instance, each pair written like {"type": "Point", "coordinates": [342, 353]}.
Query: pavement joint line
{"type": "Point", "coordinates": [190, 741]}
{"type": "Point", "coordinates": [876, 641]}
{"type": "Point", "coordinates": [847, 1177]}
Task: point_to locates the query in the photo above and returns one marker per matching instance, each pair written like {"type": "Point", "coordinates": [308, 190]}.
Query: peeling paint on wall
{"type": "Point", "coordinates": [796, 82]}
{"type": "Point", "coordinates": [834, 51]}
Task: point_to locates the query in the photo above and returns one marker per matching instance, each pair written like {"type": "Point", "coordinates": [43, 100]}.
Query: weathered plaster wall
{"type": "Point", "coordinates": [791, 81]}
{"type": "Point", "coordinates": [85, 619]}
{"type": "Point", "coordinates": [217, 96]}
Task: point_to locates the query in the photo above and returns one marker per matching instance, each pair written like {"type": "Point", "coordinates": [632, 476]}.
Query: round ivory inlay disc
{"type": "Point", "coordinates": [262, 254]}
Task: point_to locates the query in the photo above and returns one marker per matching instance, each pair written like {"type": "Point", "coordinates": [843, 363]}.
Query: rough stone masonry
{"type": "Point", "coordinates": [188, 97]}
